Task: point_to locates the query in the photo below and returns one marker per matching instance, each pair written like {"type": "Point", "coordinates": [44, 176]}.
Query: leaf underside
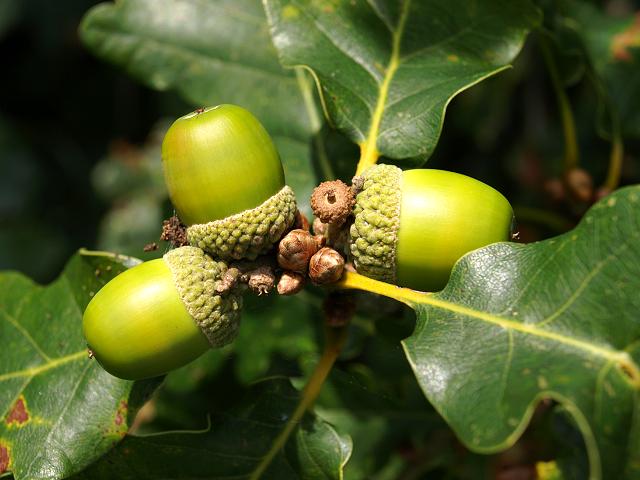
{"type": "Point", "coordinates": [553, 319]}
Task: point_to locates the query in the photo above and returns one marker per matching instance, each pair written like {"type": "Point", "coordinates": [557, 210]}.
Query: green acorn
{"type": "Point", "coordinates": [161, 314]}
{"type": "Point", "coordinates": [412, 226]}
{"type": "Point", "coordinates": [226, 182]}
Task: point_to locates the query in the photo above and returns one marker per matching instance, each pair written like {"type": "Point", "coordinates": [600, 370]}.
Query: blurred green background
{"type": "Point", "coordinates": [73, 136]}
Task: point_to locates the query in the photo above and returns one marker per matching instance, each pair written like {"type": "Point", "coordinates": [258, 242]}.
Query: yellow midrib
{"type": "Point", "coordinates": [32, 372]}
{"type": "Point", "coordinates": [413, 298]}
{"type": "Point", "coordinates": [368, 149]}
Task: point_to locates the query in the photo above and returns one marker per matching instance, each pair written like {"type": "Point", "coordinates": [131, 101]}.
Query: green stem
{"type": "Point", "coordinates": [568, 123]}
{"type": "Point", "coordinates": [615, 160]}
{"type": "Point", "coordinates": [354, 281]}
{"type": "Point", "coordinates": [335, 338]}
{"type": "Point", "coordinates": [306, 88]}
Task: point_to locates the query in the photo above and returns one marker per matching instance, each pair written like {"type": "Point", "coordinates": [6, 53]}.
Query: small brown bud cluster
{"type": "Point", "coordinates": [258, 275]}
{"type": "Point", "coordinates": [299, 252]}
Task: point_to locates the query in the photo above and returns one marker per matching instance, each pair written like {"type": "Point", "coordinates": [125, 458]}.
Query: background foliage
{"type": "Point", "coordinates": [79, 156]}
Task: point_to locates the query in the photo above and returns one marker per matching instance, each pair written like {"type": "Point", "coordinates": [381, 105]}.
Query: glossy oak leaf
{"type": "Point", "coordinates": [234, 445]}
{"type": "Point", "coordinates": [554, 319]}
{"type": "Point", "coordinates": [387, 69]}
{"type": "Point", "coordinates": [59, 410]}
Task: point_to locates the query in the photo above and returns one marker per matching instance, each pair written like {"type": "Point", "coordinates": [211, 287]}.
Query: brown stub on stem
{"type": "Point", "coordinates": [332, 202]}
{"type": "Point", "coordinates": [174, 231]}
{"type": "Point", "coordinates": [326, 266]}
{"type": "Point", "coordinates": [339, 308]}
{"type": "Point", "coordinates": [290, 283]}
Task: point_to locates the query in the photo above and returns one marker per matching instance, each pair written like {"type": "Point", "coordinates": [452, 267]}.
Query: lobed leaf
{"type": "Point", "coordinates": [59, 411]}
{"type": "Point", "coordinates": [387, 69]}
{"type": "Point", "coordinates": [553, 319]}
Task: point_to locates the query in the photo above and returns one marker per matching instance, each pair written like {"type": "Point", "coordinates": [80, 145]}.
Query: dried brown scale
{"type": "Point", "coordinates": [174, 231]}
{"type": "Point", "coordinates": [150, 247]}
{"type": "Point", "coordinates": [326, 266]}
{"type": "Point", "coordinates": [301, 221]}
{"type": "Point", "coordinates": [229, 280]}
{"type": "Point", "coordinates": [319, 228]}
{"type": "Point", "coordinates": [332, 202]}
{"type": "Point", "coordinates": [357, 184]}
{"type": "Point", "coordinates": [295, 249]}
{"type": "Point", "coordinates": [290, 283]}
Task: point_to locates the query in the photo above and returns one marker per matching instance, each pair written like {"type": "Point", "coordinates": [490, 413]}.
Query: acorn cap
{"type": "Point", "coordinates": [374, 232]}
{"type": "Point", "coordinates": [249, 233]}
{"type": "Point", "coordinates": [196, 276]}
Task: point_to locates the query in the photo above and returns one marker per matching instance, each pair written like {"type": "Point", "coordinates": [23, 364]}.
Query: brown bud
{"type": "Point", "coordinates": [290, 283]}
{"type": "Point", "coordinates": [301, 222]}
{"type": "Point", "coordinates": [260, 280]}
{"type": "Point", "coordinates": [579, 184]}
{"type": "Point", "coordinates": [295, 249]}
{"type": "Point", "coordinates": [326, 266]}
{"type": "Point", "coordinates": [332, 202]}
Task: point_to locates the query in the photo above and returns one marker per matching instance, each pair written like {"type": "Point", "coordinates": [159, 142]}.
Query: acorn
{"type": "Point", "coordinates": [161, 314]}
{"type": "Point", "coordinates": [226, 182]}
{"type": "Point", "coordinates": [412, 226]}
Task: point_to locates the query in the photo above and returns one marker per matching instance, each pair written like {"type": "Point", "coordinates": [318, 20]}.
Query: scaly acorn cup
{"type": "Point", "coordinates": [412, 226]}
{"type": "Point", "coordinates": [226, 181]}
{"type": "Point", "coordinates": [161, 314]}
